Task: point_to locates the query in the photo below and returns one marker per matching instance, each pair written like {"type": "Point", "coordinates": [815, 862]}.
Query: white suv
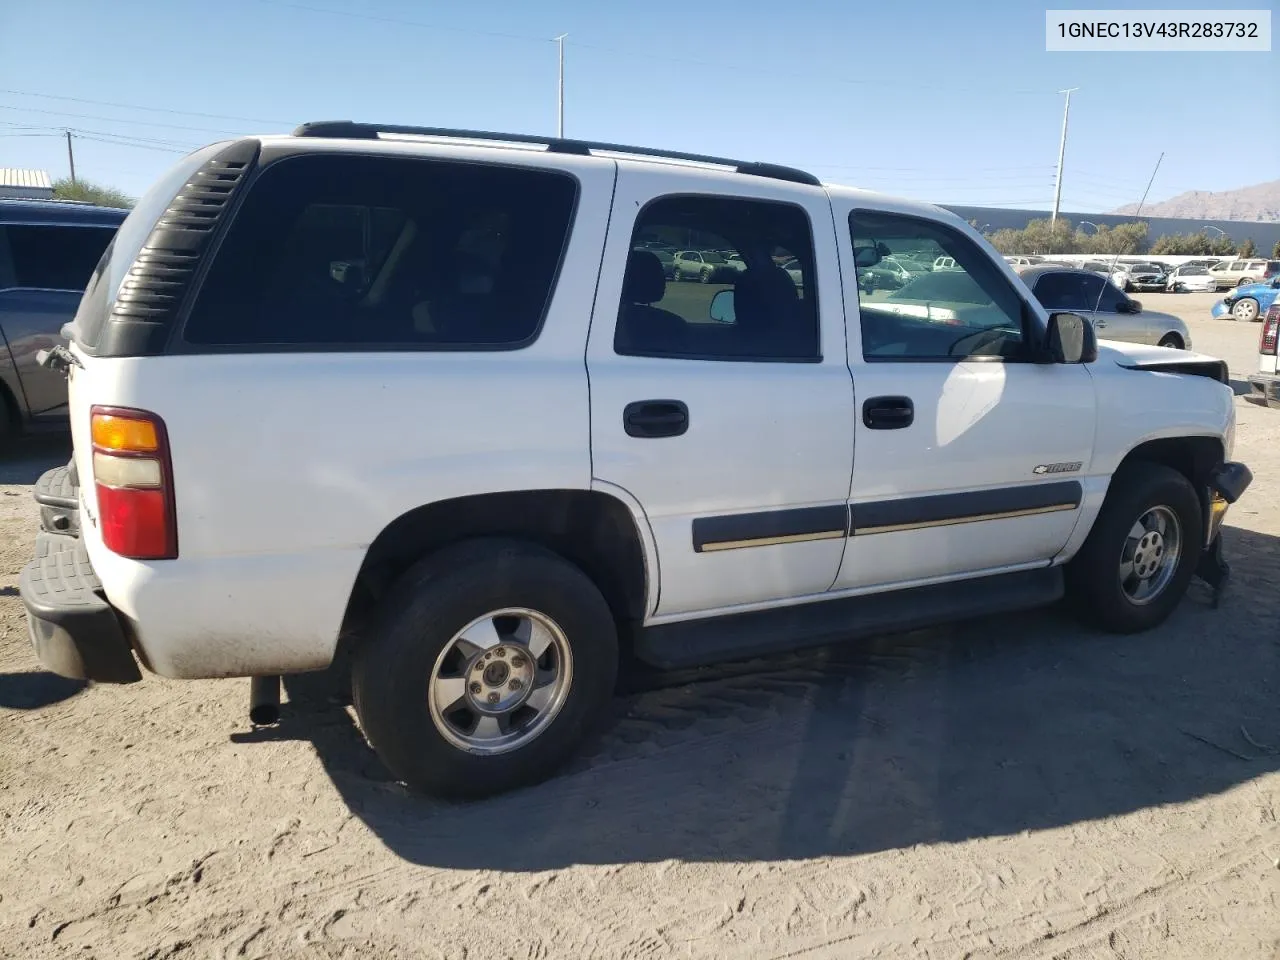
{"type": "Point", "coordinates": [416, 397]}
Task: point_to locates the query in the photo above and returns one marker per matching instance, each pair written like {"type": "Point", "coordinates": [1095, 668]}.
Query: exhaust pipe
{"type": "Point", "coordinates": [264, 700]}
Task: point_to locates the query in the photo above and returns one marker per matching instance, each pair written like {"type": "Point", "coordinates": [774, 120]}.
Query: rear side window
{"type": "Point", "coordinates": [366, 252]}
{"type": "Point", "coordinates": [729, 298]}
{"type": "Point", "coordinates": [1061, 291]}
{"type": "Point", "coordinates": [52, 257]}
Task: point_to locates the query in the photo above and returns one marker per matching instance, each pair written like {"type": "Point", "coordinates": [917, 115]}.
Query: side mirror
{"type": "Point", "coordinates": [722, 307]}
{"type": "Point", "coordinates": [1071, 339]}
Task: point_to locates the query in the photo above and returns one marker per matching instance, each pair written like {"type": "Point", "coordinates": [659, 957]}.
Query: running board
{"type": "Point", "coordinates": [692, 643]}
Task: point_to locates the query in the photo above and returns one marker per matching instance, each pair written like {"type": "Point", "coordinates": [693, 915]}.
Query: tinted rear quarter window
{"type": "Point", "coordinates": [367, 252]}
{"type": "Point", "coordinates": [53, 257]}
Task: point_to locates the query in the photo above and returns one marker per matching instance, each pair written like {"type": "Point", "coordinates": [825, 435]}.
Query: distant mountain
{"type": "Point", "coordinates": [1260, 202]}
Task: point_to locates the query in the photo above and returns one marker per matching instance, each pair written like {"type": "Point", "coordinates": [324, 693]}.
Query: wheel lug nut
{"type": "Point", "coordinates": [475, 689]}
{"type": "Point", "coordinates": [514, 684]}
{"type": "Point", "coordinates": [493, 697]}
{"type": "Point", "coordinates": [500, 652]}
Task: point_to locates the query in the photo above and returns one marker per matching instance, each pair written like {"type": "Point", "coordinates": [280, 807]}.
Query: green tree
{"type": "Point", "coordinates": [1222, 247]}
{"type": "Point", "coordinates": [1275, 251]}
{"type": "Point", "coordinates": [1007, 241]}
{"type": "Point", "coordinates": [1247, 249]}
{"type": "Point", "coordinates": [65, 189]}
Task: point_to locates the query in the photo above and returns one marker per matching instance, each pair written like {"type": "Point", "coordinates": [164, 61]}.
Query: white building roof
{"type": "Point", "coordinates": [31, 179]}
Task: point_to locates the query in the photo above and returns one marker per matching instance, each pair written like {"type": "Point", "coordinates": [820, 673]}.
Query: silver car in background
{"type": "Point", "coordinates": [1114, 315]}
{"type": "Point", "coordinates": [1190, 277]}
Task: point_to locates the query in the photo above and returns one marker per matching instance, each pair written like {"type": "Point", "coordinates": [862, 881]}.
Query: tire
{"type": "Point", "coordinates": [1094, 576]}
{"type": "Point", "coordinates": [705, 276]}
{"type": "Point", "coordinates": [1245, 310]}
{"type": "Point", "coordinates": [416, 633]}
{"type": "Point", "coordinates": [1171, 340]}
{"type": "Point", "coordinates": [1245, 281]}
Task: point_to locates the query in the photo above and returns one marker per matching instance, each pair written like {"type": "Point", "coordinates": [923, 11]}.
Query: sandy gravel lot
{"type": "Point", "coordinates": [1013, 788]}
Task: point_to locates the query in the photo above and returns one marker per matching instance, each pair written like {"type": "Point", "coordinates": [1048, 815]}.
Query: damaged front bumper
{"type": "Point", "coordinates": [1227, 483]}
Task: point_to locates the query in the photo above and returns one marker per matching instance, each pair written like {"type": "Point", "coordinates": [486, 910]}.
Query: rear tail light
{"type": "Point", "coordinates": [1270, 331]}
{"type": "Point", "coordinates": [133, 476]}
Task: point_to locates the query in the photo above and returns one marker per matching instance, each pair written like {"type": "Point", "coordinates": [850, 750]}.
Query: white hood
{"type": "Point", "coordinates": [1140, 355]}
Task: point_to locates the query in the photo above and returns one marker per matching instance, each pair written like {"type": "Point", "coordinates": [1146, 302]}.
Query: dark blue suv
{"type": "Point", "coordinates": [48, 249]}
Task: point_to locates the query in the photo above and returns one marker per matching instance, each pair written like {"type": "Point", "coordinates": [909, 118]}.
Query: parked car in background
{"type": "Point", "coordinates": [1189, 278]}
{"type": "Point", "coordinates": [1114, 315]}
{"type": "Point", "coordinates": [889, 274]}
{"type": "Point", "coordinates": [1235, 273]}
{"type": "Point", "coordinates": [944, 263]}
{"type": "Point", "coordinates": [1115, 272]}
{"type": "Point", "coordinates": [668, 260]}
{"type": "Point", "coordinates": [1248, 303]}
{"type": "Point", "coordinates": [1265, 384]}
{"type": "Point", "coordinates": [706, 266]}
{"type": "Point", "coordinates": [1016, 262]}
{"type": "Point", "coordinates": [48, 251]}
{"type": "Point", "coordinates": [1146, 276]}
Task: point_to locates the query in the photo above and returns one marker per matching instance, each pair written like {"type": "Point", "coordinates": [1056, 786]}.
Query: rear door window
{"type": "Point", "coordinates": [369, 252]}
{"type": "Point", "coordinates": [53, 257]}
{"type": "Point", "coordinates": [1061, 291]}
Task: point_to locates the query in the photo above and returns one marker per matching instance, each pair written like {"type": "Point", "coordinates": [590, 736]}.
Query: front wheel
{"type": "Point", "coordinates": [1245, 310]}
{"type": "Point", "coordinates": [1140, 555]}
{"type": "Point", "coordinates": [489, 663]}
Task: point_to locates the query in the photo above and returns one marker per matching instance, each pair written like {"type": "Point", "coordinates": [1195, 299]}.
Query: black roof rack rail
{"type": "Point", "coordinates": [349, 130]}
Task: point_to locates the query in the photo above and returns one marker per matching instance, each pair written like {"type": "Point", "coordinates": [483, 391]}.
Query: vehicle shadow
{"type": "Point", "coordinates": [33, 690]}
{"type": "Point", "coordinates": [1240, 387]}
{"type": "Point", "coordinates": [990, 728]}
{"type": "Point", "coordinates": [24, 458]}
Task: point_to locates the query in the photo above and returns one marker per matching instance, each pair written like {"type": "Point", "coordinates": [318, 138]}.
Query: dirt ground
{"type": "Point", "coordinates": [1014, 788]}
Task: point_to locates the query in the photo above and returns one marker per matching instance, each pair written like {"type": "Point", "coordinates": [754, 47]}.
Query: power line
{"type": "Point", "coordinates": [622, 52]}
{"type": "Point", "coordinates": [136, 106]}
{"type": "Point", "coordinates": [406, 23]}
{"type": "Point", "coordinates": [58, 131]}
{"type": "Point", "coordinates": [141, 123]}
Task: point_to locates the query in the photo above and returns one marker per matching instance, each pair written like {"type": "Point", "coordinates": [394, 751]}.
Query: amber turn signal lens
{"type": "Point", "coordinates": [124, 434]}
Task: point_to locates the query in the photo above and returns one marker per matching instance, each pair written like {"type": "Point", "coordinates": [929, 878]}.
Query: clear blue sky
{"type": "Point", "coordinates": [932, 99]}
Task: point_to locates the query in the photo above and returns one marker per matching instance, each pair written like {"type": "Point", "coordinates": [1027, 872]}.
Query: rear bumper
{"type": "Point", "coordinates": [74, 631]}
{"type": "Point", "coordinates": [1265, 387]}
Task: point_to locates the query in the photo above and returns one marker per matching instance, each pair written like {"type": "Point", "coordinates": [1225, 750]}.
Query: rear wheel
{"type": "Point", "coordinates": [1171, 340]}
{"type": "Point", "coordinates": [705, 276]}
{"type": "Point", "coordinates": [1244, 281]}
{"type": "Point", "coordinates": [490, 661]}
{"type": "Point", "coordinates": [1245, 310]}
{"type": "Point", "coordinates": [1140, 555]}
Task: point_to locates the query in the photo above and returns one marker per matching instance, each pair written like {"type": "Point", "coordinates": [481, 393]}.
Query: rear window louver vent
{"type": "Point", "coordinates": [200, 202]}
{"type": "Point", "coordinates": [157, 283]}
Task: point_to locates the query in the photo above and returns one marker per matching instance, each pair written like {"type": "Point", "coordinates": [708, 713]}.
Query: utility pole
{"type": "Point", "coordinates": [1062, 154]}
{"type": "Point", "coordinates": [71, 157]}
{"type": "Point", "coordinates": [560, 89]}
